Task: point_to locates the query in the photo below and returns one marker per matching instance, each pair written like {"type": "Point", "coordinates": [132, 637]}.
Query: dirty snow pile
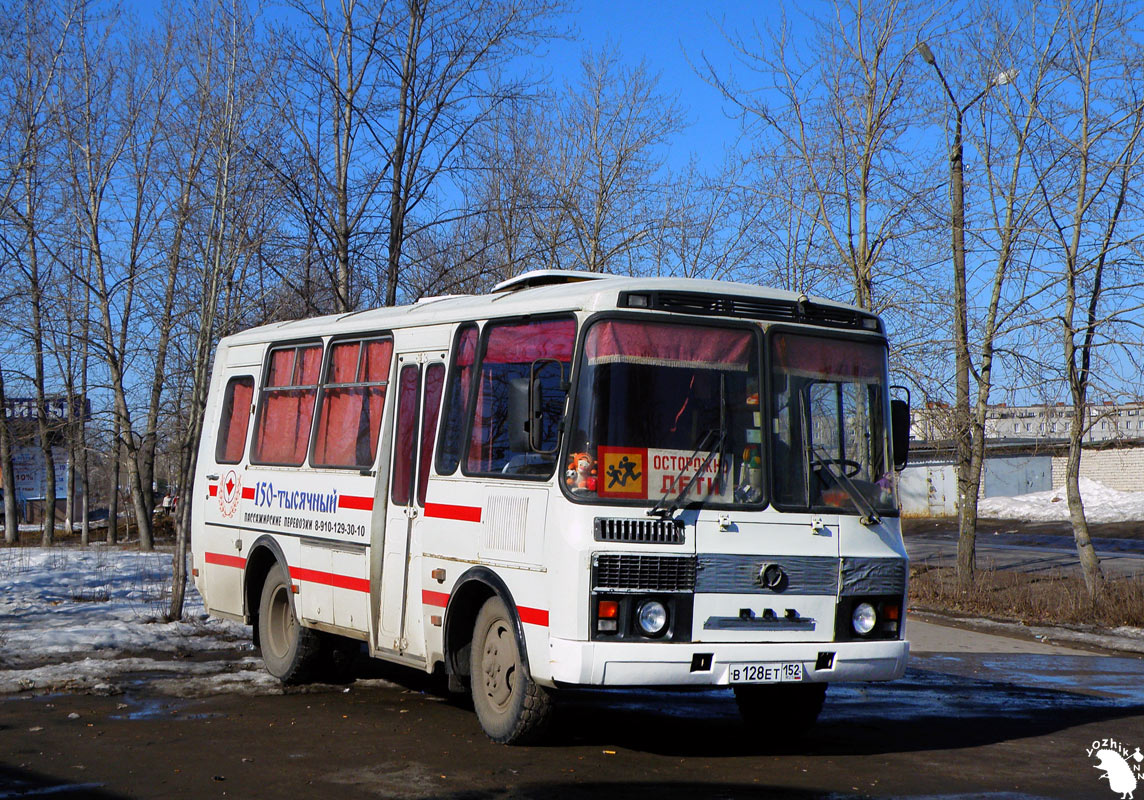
{"type": "Point", "coordinates": [83, 619]}
{"type": "Point", "coordinates": [1101, 504]}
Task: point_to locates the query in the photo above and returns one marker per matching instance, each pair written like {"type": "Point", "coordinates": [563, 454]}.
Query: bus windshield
{"type": "Point", "coordinates": [829, 441]}
{"type": "Point", "coordinates": [667, 413]}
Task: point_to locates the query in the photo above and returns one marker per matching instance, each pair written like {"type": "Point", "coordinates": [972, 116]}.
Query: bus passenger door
{"type": "Point", "coordinates": [420, 380]}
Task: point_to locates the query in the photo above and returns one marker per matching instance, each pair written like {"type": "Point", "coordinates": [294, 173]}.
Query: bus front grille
{"type": "Point", "coordinates": [640, 531]}
{"type": "Point", "coordinates": [615, 572]}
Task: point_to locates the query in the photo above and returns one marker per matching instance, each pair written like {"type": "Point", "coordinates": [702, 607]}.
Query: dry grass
{"type": "Point", "coordinates": [1034, 599]}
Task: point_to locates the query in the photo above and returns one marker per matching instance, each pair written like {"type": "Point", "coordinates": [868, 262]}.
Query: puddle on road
{"type": "Point", "coordinates": [141, 707]}
{"type": "Point", "coordinates": [935, 686]}
{"type": "Point", "coordinates": [1119, 679]}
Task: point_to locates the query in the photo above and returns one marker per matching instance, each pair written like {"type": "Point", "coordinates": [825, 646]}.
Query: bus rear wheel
{"type": "Point", "coordinates": [290, 651]}
{"type": "Point", "coordinates": [780, 712]}
{"type": "Point", "coordinates": [511, 708]}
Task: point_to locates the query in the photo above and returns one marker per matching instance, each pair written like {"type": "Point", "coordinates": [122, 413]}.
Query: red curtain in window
{"type": "Point", "coordinates": [434, 383]}
{"type": "Point", "coordinates": [343, 362]}
{"type": "Point", "coordinates": [403, 446]}
{"type": "Point", "coordinates": [284, 426]}
{"type": "Point", "coordinates": [828, 359]}
{"type": "Point", "coordinates": [467, 347]}
{"type": "Point", "coordinates": [281, 368]}
{"type": "Point", "coordinates": [235, 421]}
{"type": "Point", "coordinates": [310, 367]}
{"type": "Point", "coordinates": [350, 417]}
{"type": "Point", "coordinates": [285, 415]}
{"type": "Point", "coordinates": [523, 344]}
{"type": "Point", "coordinates": [689, 346]}
{"type": "Point", "coordinates": [375, 365]}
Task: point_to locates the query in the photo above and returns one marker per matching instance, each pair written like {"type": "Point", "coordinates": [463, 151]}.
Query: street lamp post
{"type": "Point", "coordinates": [967, 528]}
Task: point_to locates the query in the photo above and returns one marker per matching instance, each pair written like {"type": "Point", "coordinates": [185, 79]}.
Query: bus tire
{"type": "Point", "coordinates": [511, 708]}
{"type": "Point", "coordinates": [777, 713]}
{"type": "Point", "coordinates": [291, 652]}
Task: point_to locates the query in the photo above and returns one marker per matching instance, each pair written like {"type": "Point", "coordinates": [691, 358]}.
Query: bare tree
{"type": "Point", "coordinates": [98, 140]}
{"type": "Point", "coordinates": [841, 110]}
{"type": "Point", "coordinates": [1004, 231]}
{"type": "Point", "coordinates": [1088, 177]}
{"type": "Point", "coordinates": [44, 31]}
{"type": "Point", "coordinates": [11, 526]}
{"type": "Point", "coordinates": [229, 81]}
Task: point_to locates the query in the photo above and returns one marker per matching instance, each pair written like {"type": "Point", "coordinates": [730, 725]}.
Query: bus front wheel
{"type": "Point", "coordinates": [289, 651]}
{"type": "Point", "coordinates": [511, 708]}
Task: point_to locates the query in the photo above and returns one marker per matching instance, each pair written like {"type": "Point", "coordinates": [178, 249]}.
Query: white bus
{"type": "Point", "coordinates": [577, 480]}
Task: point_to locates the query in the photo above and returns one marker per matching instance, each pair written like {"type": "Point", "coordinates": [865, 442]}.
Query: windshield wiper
{"type": "Point", "coordinates": [668, 511]}
{"type": "Point", "coordinates": [869, 515]}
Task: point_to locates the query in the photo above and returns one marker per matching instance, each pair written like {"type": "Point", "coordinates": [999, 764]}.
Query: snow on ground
{"type": "Point", "coordinates": [1101, 504]}
{"type": "Point", "coordinates": [87, 619]}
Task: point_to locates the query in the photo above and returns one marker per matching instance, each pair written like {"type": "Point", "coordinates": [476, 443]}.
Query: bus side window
{"type": "Point", "coordinates": [351, 403]}
{"type": "Point", "coordinates": [456, 410]}
{"type": "Point", "coordinates": [434, 382]}
{"type": "Point", "coordinates": [235, 420]}
{"type": "Point", "coordinates": [510, 352]}
{"type": "Point", "coordinates": [286, 406]}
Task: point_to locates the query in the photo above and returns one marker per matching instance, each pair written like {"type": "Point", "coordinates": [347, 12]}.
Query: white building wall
{"type": "Point", "coordinates": [1120, 468]}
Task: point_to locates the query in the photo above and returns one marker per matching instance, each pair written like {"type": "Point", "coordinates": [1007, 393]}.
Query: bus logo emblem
{"type": "Point", "coordinates": [229, 491]}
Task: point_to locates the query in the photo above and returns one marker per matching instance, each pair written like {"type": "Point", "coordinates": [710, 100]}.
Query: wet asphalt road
{"type": "Point", "coordinates": [976, 716]}
{"type": "Point", "coordinates": [1028, 547]}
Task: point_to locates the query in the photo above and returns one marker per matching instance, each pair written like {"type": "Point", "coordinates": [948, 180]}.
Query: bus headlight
{"type": "Point", "coordinates": [863, 619]}
{"type": "Point", "coordinates": [652, 617]}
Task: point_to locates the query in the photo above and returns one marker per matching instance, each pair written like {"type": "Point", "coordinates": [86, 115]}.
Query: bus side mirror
{"type": "Point", "coordinates": [527, 399]}
{"type": "Point", "coordinates": [518, 415]}
{"type": "Point", "coordinates": [551, 372]}
{"type": "Point", "coordinates": [900, 431]}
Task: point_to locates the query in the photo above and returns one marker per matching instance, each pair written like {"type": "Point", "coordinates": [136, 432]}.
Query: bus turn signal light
{"type": "Point", "coordinates": [608, 609]}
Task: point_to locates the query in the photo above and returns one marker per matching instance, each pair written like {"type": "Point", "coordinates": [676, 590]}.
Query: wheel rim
{"type": "Point", "coordinates": [498, 664]}
{"type": "Point", "coordinates": [280, 626]}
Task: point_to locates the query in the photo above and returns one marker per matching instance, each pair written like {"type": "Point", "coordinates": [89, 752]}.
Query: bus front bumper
{"type": "Point", "coordinates": [708, 664]}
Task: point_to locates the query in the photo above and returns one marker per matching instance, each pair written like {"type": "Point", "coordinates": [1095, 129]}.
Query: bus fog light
{"type": "Point", "coordinates": [652, 617]}
{"type": "Point", "coordinates": [863, 619]}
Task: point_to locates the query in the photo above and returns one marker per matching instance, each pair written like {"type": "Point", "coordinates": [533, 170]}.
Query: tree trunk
{"type": "Point", "coordinates": [113, 499]}
{"type": "Point", "coordinates": [1086, 553]}
{"type": "Point", "coordinates": [11, 523]}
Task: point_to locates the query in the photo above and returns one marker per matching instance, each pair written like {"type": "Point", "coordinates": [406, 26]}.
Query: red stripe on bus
{"type": "Point", "coordinates": [224, 560]}
{"type": "Point", "coordinates": [359, 503]}
{"type": "Point", "coordinates": [445, 511]}
{"type": "Point", "coordinates": [533, 616]}
{"type": "Point", "coordinates": [213, 489]}
{"type": "Point", "coordinates": [330, 579]}
{"type": "Point", "coordinates": [247, 492]}
{"type": "Point", "coordinates": [439, 599]}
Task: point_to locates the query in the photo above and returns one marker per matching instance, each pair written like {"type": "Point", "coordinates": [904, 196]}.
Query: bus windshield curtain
{"type": "Point", "coordinates": [689, 347]}
{"type": "Point", "coordinates": [828, 359]}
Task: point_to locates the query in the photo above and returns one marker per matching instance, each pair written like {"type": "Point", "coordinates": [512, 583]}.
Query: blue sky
{"type": "Point", "coordinates": [665, 35]}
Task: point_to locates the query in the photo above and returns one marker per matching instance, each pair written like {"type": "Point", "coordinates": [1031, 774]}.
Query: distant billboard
{"type": "Point", "coordinates": [30, 474]}
{"type": "Point", "coordinates": [56, 406]}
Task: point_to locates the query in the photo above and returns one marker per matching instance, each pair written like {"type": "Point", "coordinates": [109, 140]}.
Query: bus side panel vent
{"type": "Point", "coordinates": [621, 572]}
{"type": "Point", "coordinates": [505, 523]}
{"type": "Point", "coordinates": [639, 531]}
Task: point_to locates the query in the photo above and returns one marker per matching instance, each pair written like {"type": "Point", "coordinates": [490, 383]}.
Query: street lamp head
{"type": "Point", "coordinates": [1005, 77]}
{"type": "Point", "coordinates": [925, 53]}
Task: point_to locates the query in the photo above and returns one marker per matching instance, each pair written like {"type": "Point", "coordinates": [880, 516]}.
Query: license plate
{"type": "Point", "coordinates": [765, 673]}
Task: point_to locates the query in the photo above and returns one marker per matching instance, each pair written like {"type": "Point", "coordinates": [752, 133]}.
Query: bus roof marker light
{"type": "Point", "coordinates": [639, 301]}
